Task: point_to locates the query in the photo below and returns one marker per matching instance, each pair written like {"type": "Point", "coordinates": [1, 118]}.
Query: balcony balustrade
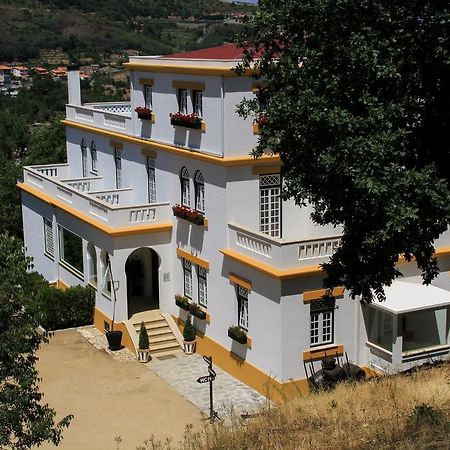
{"type": "Point", "coordinates": [113, 207]}
{"type": "Point", "coordinates": [277, 252]}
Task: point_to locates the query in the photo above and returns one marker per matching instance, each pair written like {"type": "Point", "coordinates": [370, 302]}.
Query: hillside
{"type": "Point", "coordinates": [91, 29]}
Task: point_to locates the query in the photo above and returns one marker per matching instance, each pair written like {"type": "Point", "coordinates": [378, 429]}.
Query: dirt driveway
{"type": "Point", "coordinates": [108, 398]}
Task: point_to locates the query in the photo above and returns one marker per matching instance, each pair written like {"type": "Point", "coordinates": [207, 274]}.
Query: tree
{"type": "Point", "coordinates": [355, 101]}
{"type": "Point", "coordinates": [10, 209]}
{"type": "Point", "coordinates": [24, 420]}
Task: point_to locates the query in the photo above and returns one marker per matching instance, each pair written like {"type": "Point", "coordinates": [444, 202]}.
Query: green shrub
{"type": "Point", "coordinates": [143, 337]}
{"type": "Point", "coordinates": [58, 309]}
{"type": "Point", "coordinates": [189, 330]}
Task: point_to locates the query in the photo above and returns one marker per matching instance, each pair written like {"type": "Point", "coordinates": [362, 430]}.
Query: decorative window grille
{"type": "Point", "coordinates": [322, 321]}
{"type": "Point", "coordinates": [199, 184]}
{"type": "Point", "coordinates": [187, 268]}
{"type": "Point", "coordinates": [148, 96]}
{"type": "Point", "coordinates": [243, 307]}
{"type": "Point", "coordinates": [202, 286]}
{"type": "Point", "coordinates": [197, 103]}
{"type": "Point", "coordinates": [84, 168]}
{"type": "Point", "coordinates": [185, 187]}
{"type": "Point", "coordinates": [93, 157]}
{"type": "Point", "coordinates": [49, 241]}
{"type": "Point", "coordinates": [151, 180]}
{"type": "Point", "coordinates": [270, 204]}
{"type": "Point", "coordinates": [182, 101]}
{"type": "Point", "coordinates": [118, 164]}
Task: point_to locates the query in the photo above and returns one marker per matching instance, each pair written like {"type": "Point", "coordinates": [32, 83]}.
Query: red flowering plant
{"type": "Point", "coordinates": [191, 215]}
{"type": "Point", "coordinates": [261, 121]}
{"type": "Point", "coordinates": [143, 112]}
{"type": "Point", "coordinates": [186, 120]}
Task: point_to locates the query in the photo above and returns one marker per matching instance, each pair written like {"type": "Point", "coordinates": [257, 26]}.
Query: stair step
{"type": "Point", "coordinates": [155, 324]}
{"type": "Point", "coordinates": [163, 347]}
{"type": "Point", "coordinates": [160, 332]}
{"type": "Point", "coordinates": [162, 338]}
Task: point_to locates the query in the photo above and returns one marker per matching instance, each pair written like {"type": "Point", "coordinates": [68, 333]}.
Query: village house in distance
{"type": "Point", "coordinates": [162, 191]}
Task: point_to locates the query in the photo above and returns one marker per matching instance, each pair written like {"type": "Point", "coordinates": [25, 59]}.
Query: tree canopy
{"type": "Point", "coordinates": [355, 100]}
{"type": "Point", "coordinates": [24, 420]}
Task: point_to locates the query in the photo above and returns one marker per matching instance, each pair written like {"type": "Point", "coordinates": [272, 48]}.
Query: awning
{"type": "Point", "coordinates": [403, 297]}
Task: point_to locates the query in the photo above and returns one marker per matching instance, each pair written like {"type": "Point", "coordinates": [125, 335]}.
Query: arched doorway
{"type": "Point", "coordinates": [141, 269]}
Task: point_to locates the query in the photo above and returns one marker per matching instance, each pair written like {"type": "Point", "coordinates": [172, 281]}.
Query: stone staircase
{"type": "Point", "coordinates": [163, 334]}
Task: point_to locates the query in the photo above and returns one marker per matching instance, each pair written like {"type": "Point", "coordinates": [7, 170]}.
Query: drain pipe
{"type": "Point", "coordinates": [222, 116]}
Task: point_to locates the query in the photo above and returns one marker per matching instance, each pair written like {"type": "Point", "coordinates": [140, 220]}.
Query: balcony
{"type": "Point", "coordinates": [279, 253]}
{"type": "Point", "coordinates": [87, 199]}
{"type": "Point", "coordinates": [107, 116]}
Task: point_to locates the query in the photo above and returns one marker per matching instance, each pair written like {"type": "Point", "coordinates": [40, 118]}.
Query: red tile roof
{"type": "Point", "coordinates": [226, 51]}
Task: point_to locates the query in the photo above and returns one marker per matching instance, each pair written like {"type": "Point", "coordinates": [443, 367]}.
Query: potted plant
{"type": "Point", "coordinates": [182, 302]}
{"type": "Point", "coordinates": [186, 120]}
{"type": "Point", "coordinates": [189, 336]}
{"type": "Point", "coordinates": [197, 311]}
{"type": "Point", "coordinates": [237, 334]}
{"type": "Point", "coordinates": [144, 345]}
{"type": "Point", "coordinates": [144, 113]}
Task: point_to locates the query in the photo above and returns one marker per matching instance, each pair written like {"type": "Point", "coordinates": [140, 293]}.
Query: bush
{"type": "Point", "coordinates": [189, 330]}
{"type": "Point", "coordinates": [59, 309]}
{"type": "Point", "coordinates": [143, 337]}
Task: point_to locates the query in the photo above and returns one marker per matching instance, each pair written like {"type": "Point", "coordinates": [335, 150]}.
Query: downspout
{"type": "Point", "coordinates": [357, 329]}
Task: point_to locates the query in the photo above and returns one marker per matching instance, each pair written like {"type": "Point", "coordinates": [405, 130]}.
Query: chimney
{"type": "Point", "coordinates": [73, 82]}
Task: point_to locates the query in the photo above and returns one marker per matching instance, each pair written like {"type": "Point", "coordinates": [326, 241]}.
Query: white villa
{"type": "Point", "coordinates": [230, 244]}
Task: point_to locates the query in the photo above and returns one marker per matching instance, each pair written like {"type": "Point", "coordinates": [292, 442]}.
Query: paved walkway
{"type": "Point", "coordinates": [182, 371]}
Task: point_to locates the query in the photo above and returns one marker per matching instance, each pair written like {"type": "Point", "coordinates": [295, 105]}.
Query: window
{"type": "Point", "coordinates": [182, 101]}
{"type": "Point", "coordinates": [199, 184]}
{"type": "Point", "coordinates": [106, 272]}
{"type": "Point", "coordinates": [92, 263]}
{"type": "Point", "coordinates": [270, 204]}
{"type": "Point", "coordinates": [148, 96]}
{"type": "Point", "coordinates": [118, 164]}
{"type": "Point", "coordinates": [187, 268]}
{"type": "Point", "coordinates": [151, 180]}
{"type": "Point", "coordinates": [83, 158]}
{"type": "Point", "coordinates": [322, 321]}
{"type": "Point", "coordinates": [243, 307]}
{"type": "Point", "coordinates": [197, 106]}
{"type": "Point", "coordinates": [202, 286]}
{"type": "Point", "coordinates": [185, 187]}
{"type": "Point", "coordinates": [49, 245]}
{"type": "Point", "coordinates": [71, 250]}
{"type": "Point", "coordinates": [93, 157]}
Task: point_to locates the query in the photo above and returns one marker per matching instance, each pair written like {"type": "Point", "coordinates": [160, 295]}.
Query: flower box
{"type": "Point", "coordinates": [144, 113]}
{"type": "Point", "coordinates": [182, 302]}
{"type": "Point", "coordinates": [237, 334]}
{"type": "Point", "coordinates": [186, 120]}
{"type": "Point", "coordinates": [197, 311]}
{"type": "Point", "coordinates": [191, 215]}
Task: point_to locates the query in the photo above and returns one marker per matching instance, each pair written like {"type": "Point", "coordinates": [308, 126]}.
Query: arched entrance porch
{"type": "Point", "coordinates": [141, 269]}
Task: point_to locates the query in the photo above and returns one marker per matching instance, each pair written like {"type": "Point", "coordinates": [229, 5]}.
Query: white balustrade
{"type": "Point", "coordinates": [117, 108]}
{"type": "Point", "coordinates": [64, 194]}
{"type": "Point", "coordinates": [48, 171]}
{"type": "Point", "coordinates": [111, 199]}
{"type": "Point", "coordinates": [85, 115]}
{"type": "Point", "coordinates": [317, 249]}
{"type": "Point", "coordinates": [253, 244]}
{"type": "Point", "coordinates": [142, 215]}
{"type": "Point", "coordinates": [83, 186]}
{"type": "Point", "coordinates": [114, 121]}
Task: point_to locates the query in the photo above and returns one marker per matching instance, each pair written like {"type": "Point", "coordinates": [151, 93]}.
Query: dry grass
{"type": "Point", "coordinates": [409, 411]}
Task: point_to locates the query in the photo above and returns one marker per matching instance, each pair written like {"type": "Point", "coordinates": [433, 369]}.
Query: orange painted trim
{"type": "Point", "coordinates": [255, 128]}
{"type": "Point", "coordinates": [194, 259]}
{"type": "Point", "coordinates": [314, 354]}
{"type": "Point", "coordinates": [179, 84]}
{"type": "Point", "coordinates": [162, 66]}
{"type": "Point", "coordinates": [285, 274]}
{"type": "Point", "coordinates": [266, 170]}
{"type": "Point", "coordinates": [110, 231]}
{"type": "Point", "coordinates": [189, 153]}
{"type": "Point", "coordinates": [146, 81]}
{"type": "Point", "coordinates": [236, 279]}
{"type": "Point", "coordinates": [309, 296]}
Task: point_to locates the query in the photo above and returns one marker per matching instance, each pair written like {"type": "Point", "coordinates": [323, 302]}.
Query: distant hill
{"type": "Point", "coordinates": [95, 28]}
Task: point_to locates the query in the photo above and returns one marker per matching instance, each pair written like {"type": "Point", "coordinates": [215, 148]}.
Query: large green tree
{"type": "Point", "coordinates": [356, 103]}
{"type": "Point", "coordinates": [25, 421]}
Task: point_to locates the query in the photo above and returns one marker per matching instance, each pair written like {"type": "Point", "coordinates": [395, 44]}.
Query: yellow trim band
{"type": "Point", "coordinates": [110, 231]}
{"type": "Point", "coordinates": [236, 279]}
{"type": "Point", "coordinates": [178, 84]}
{"type": "Point", "coordinates": [194, 259]}
{"type": "Point", "coordinates": [149, 153]}
{"type": "Point", "coordinates": [188, 153]}
{"type": "Point", "coordinates": [309, 296]}
{"type": "Point", "coordinates": [158, 67]}
{"type": "Point", "coordinates": [116, 145]}
{"type": "Point", "coordinates": [284, 274]}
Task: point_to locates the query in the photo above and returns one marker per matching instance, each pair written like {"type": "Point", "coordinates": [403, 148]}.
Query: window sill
{"type": "Point", "coordinates": [93, 284]}
{"type": "Point", "coordinates": [107, 295]}
{"type": "Point", "coordinates": [320, 352]}
{"type": "Point", "coordinates": [426, 350]}
{"type": "Point", "coordinates": [72, 270]}
{"type": "Point", "coordinates": [49, 256]}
